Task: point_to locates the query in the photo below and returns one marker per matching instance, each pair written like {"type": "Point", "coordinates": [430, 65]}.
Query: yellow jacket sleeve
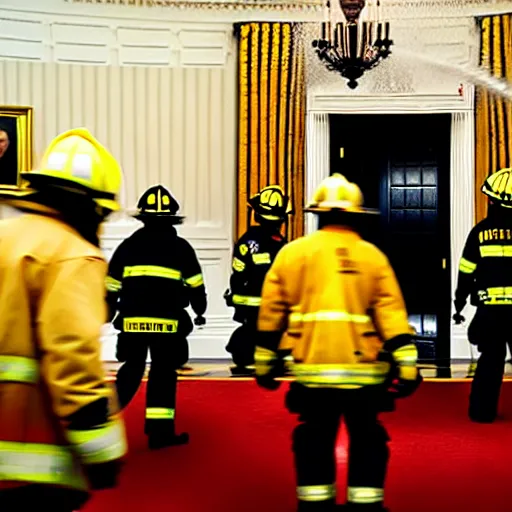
{"type": "Point", "coordinates": [274, 308]}
{"type": "Point", "coordinates": [390, 313]}
{"type": "Point", "coordinates": [71, 313]}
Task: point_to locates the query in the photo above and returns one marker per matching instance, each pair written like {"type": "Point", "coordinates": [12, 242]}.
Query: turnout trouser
{"type": "Point", "coordinates": [168, 353]}
{"type": "Point", "coordinates": [314, 441]}
{"type": "Point", "coordinates": [242, 345]}
{"type": "Point", "coordinates": [490, 331]}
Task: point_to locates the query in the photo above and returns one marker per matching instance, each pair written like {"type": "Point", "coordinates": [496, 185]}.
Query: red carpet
{"type": "Point", "coordinates": [239, 456]}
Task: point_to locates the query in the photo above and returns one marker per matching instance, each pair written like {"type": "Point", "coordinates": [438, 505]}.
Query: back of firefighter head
{"type": "Point", "coordinates": [158, 209]}
{"type": "Point", "coordinates": [498, 188]}
{"type": "Point", "coordinates": [77, 177]}
{"type": "Point", "coordinates": [338, 201]}
{"type": "Point", "coordinates": [271, 206]}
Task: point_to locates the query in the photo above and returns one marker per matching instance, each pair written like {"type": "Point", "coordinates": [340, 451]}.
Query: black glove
{"type": "Point", "coordinates": [104, 475]}
{"type": "Point", "coordinates": [402, 388]}
{"type": "Point", "coordinates": [228, 297]}
{"type": "Point", "coordinates": [268, 382]}
{"type": "Point", "coordinates": [458, 319]}
{"type": "Point", "coordinates": [199, 320]}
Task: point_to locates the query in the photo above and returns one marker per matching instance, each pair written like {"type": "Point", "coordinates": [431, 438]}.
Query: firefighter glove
{"type": "Point", "coordinates": [402, 388]}
{"type": "Point", "coordinates": [199, 320]}
{"type": "Point", "coordinates": [458, 318]}
{"type": "Point", "coordinates": [228, 297]}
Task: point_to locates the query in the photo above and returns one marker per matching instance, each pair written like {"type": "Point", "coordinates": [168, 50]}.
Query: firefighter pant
{"type": "Point", "coordinates": [168, 353]}
{"type": "Point", "coordinates": [490, 331]}
{"type": "Point", "coordinates": [242, 344]}
{"type": "Point", "coordinates": [314, 446]}
{"type": "Point", "coordinates": [41, 497]}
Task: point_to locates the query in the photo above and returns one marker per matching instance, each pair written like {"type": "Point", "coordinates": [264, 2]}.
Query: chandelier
{"type": "Point", "coordinates": [353, 47]}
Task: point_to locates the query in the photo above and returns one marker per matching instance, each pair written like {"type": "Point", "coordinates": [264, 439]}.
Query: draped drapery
{"type": "Point", "coordinates": [493, 114]}
{"type": "Point", "coordinates": [271, 130]}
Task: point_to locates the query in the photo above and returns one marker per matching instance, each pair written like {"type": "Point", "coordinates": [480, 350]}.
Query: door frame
{"type": "Point", "coordinates": [462, 163]}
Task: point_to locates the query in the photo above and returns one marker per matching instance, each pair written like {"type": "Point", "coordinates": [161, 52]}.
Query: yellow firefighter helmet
{"type": "Point", "coordinates": [271, 203]}
{"type": "Point", "coordinates": [76, 161]}
{"type": "Point", "coordinates": [498, 187]}
{"type": "Point", "coordinates": [158, 202]}
{"type": "Point", "coordinates": [336, 193]}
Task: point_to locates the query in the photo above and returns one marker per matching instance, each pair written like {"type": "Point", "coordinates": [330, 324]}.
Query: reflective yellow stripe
{"type": "Point", "coordinates": [112, 285]}
{"type": "Point", "coordinates": [406, 355]}
{"type": "Point", "coordinates": [263, 360]}
{"type": "Point", "coordinates": [467, 266]}
{"type": "Point", "coordinates": [159, 413]}
{"type": "Point", "coordinates": [151, 271]}
{"type": "Point", "coordinates": [143, 324]}
{"type": "Point", "coordinates": [340, 375]}
{"type": "Point", "coordinates": [365, 495]}
{"type": "Point", "coordinates": [316, 492]}
{"type": "Point", "coordinates": [328, 316]}
{"type": "Point", "coordinates": [243, 249]}
{"type": "Point", "coordinates": [242, 300]}
{"type": "Point", "coordinates": [18, 369]}
{"type": "Point", "coordinates": [261, 259]}
{"type": "Point", "coordinates": [100, 444]}
{"type": "Point", "coordinates": [496, 295]}
{"type": "Point", "coordinates": [496, 251]}
{"type": "Point", "coordinates": [39, 463]}
{"type": "Point", "coordinates": [195, 281]}
{"type": "Point", "coordinates": [238, 265]}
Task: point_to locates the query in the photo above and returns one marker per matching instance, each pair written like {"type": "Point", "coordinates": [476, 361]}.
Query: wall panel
{"type": "Point", "coordinates": [174, 126]}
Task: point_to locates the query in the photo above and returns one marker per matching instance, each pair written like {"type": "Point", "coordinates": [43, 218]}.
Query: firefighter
{"type": "Point", "coordinates": [154, 275]}
{"type": "Point", "coordinates": [485, 275]}
{"type": "Point", "coordinates": [61, 435]}
{"type": "Point", "coordinates": [253, 254]}
{"type": "Point", "coordinates": [332, 301]}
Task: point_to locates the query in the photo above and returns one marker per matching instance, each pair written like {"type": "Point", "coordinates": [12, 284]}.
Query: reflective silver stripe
{"type": "Point", "coordinates": [18, 369]}
{"type": "Point", "coordinates": [365, 495]}
{"type": "Point", "coordinates": [100, 444]}
{"type": "Point", "coordinates": [316, 492]}
{"type": "Point", "coordinates": [39, 463]}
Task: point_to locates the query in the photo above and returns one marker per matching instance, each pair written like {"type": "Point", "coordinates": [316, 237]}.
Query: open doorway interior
{"type": "Point", "coordinates": [402, 164]}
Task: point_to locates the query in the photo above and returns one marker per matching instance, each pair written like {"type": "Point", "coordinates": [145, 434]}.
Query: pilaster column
{"type": "Point", "coordinates": [462, 193]}
{"type": "Point", "coordinates": [317, 158]}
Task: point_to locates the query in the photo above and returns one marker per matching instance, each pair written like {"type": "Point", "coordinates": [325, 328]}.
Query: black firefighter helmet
{"type": "Point", "coordinates": [271, 204]}
{"type": "Point", "coordinates": [498, 187]}
{"type": "Point", "coordinates": [158, 203]}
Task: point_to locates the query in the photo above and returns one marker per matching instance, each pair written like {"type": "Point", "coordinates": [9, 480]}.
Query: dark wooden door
{"type": "Point", "coordinates": [401, 163]}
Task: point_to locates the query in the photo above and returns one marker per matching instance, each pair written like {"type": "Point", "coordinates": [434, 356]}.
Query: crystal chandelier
{"type": "Point", "coordinates": [353, 47]}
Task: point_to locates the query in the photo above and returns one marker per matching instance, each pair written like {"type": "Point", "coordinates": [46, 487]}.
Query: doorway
{"type": "Point", "coordinates": [402, 164]}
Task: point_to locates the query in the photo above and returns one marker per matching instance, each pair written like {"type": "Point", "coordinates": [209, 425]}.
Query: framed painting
{"type": "Point", "coordinates": [16, 128]}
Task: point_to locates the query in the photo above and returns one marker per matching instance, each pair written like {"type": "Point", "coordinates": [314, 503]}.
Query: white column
{"type": "Point", "coordinates": [462, 195]}
{"type": "Point", "coordinates": [317, 158]}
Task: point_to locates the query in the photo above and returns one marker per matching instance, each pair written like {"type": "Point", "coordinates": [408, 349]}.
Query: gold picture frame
{"type": "Point", "coordinates": [17, 123]}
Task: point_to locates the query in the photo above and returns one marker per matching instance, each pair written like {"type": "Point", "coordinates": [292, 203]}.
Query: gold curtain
{"type": "Point", "coordinates": [493, 114]}
{"type": "Point", "coordinates": [271, 94]}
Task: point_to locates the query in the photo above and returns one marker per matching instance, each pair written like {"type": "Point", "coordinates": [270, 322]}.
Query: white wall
{"type": "Point", "coordinates": [162, 98]}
